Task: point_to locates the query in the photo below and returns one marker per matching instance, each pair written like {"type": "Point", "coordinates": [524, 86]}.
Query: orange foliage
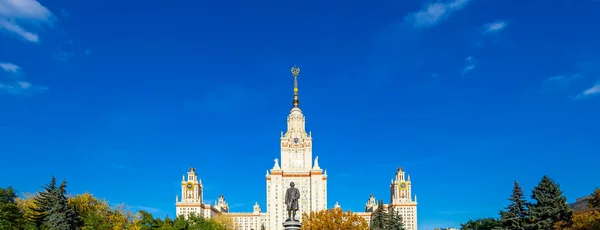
{"type": "Point", "coordinates": [585, 220]}
{"type": "Point", "coordinates": [333, 219]}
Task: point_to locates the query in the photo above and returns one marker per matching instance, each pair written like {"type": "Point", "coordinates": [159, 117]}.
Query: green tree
{"type": "Point", "coordinates": [147, 221]}
{"type": "Point", "coordinates": [61, 215]}
{"type": "Point", "coordinates": [379, 217]}
{"type": "Point", "coordinates": [52, 210]}
{"type": "Point", "coordinates": [516, 214]}
{"type": "Point", "coordinates": [550, 206]}
{"type": "Point", "coordinates": [395, 221]}
{"type": "Point", "coordinates": [481, 224]}
{"type": "Point", "coordinates": [594, 201]}
{"type": "Point", "coordinates": [180, 223]}
{"type": "Point", "coordinates": [11, 216]}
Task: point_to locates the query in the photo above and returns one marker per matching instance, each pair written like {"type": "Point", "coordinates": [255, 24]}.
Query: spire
{"type": "Point", "coordinates": [295, 72]}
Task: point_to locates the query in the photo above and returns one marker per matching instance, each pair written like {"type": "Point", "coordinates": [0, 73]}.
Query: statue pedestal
{"type": "Point", "coordinates": [292, 225]}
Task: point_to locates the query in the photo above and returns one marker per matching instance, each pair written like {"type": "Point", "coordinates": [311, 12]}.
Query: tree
{"type": "Point", "coordinates": [11, 216]}
{"type": "Point", "coordinates": [481, 224]}
{"type": "Point", "coordinates": [333, 218]}
{"type": "Point", "coordinates": [379, 218]}
{"type": "Point", "coordinates": [147, 221]}
{"type": "Point", "coordinates": [198, 222]}
{"type": "Point", "coordinates": [395, 221]}
{"type": "Point", "coordinates": [225, 221]}
{"type": "Point", "coordinates": [61, 215]}
{"type": "Point", "coordinates": [93, 213]}
{"type": "Point", "coordinates": [550, 206]}
{"type": "Point", "coordinates": [585, 220]}
{"type": "Point", "coordinates": [26, 204]}
{"type": "Point", "coordinates": [594, 201]}
{"type": "Point", "coordinates": [52, 209]}
{"type": "Point", "coordinates": [516, 214]}
{"type": "Point", "coordinates": [262, 227]}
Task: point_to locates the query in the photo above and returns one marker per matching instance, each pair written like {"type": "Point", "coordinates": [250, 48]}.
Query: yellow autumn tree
{"type": "Point", "coordinates": [584, 220]}
{"type": "Point", "coordinates": [226, 221]}
{"type": "Point", "coordinates": [26, 204]}
{"type": "Point", "coordinates": [97, 214]}
{"type": "Point", "coordinates": [333, 219]}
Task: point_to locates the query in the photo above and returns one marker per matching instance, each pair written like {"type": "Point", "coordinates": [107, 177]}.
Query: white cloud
{"type": "Point", "coordinates": [15, 85]}
{"type": "Point", "coordinates": [10, 67]}
{"type": "Point", "coordinates": [14, 14]}
{"type": "Point", "coordinates": [469, 65]}
{"type": "Point", "coordinates": [592, 91]}
{"type": "Point", "coordinates": [434, 13]}
{"type": "Point", "coordinates": [495, 27]}
{"type": "Point", "coordinates": [559, 82]}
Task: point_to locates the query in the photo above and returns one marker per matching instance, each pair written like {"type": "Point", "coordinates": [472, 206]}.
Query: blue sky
{"type": "Point", "coordinates": [121, 98]}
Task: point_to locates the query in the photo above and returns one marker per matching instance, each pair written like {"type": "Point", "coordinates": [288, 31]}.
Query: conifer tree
{"type": "Point", "coordinates": [550, 206]}
{"type": "Point", "coordinates": [594, 201]}
{"type": "Point", "coordinates": [379, 217]}
{"type": "Point", "coordinates": [10, 215]}
{"type": "Point", "coordinates": [395, 221]}
{"type": "Point", "coordinates": [61, 215]}
{"type": "Point", "coordinates": [43, 202]}
{"type": "Point", "coordinates": [52, 209]}
{"type": "Point", "coordinates": [515, 215]}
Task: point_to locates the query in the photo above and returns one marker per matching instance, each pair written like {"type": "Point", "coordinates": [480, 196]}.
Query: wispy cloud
{"type": "Point", "coordinates": [469, 65]}
{"type": "Point", "coordinates": [434, 13]}
{"type": "Point", "coordinates": [10, 67]}
{"type": "Point", "coordinates": [62, 56]}
{"type": "Point", "coordinates": [559, 82]}
{"type": "Point", "coordinates": [495, 27]}
{"type": "Point", "coordinates": [14, 84]}
{"type": "Point", "coordinates": [16, 14]}
{"type": "Point", "coordinates": [592, 91]}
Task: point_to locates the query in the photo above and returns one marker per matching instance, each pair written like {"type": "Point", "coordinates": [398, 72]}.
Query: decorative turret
{"type": "Point", "coordinates": [256, 208]}
{"type": "Point", "coordinates": [371, 204]}
{"type": "Point", "coordinates": [316, 167]}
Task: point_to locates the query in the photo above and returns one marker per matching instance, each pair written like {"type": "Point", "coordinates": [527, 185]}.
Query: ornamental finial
{"type": "Point", "coordinates": [295, 71]}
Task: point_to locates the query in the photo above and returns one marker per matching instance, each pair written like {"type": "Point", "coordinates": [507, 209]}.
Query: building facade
{"type": "Point", "coordinates": [297, 165]}
{"type": "Point", "coordinates": [401, 201]}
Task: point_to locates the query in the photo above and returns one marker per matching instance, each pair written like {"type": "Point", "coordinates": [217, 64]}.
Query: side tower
{"type": "Point", "coordinates": [401, 199]}
{"type": "Point", "coordinates": [296, 166]}
{"type": "Point", "coordinates": [191, 195]}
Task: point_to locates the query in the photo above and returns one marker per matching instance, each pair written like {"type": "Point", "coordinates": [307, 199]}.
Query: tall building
{"type": "Point", "coordinates": [401, 201]}
{"type": "Point", "coordinates": [296, 165]}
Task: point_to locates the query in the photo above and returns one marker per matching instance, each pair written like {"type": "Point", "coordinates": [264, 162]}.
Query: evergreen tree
{"type": "Point", "coordinates": [594, 201]}
{"type": "Point", "coordinates": [43, 202]}
{"type": "Point", "coordinates": [395, 221]}
{"type": "Point", "coordinates": [379, 217]}
{"type": "Point", "coordinates": [61, 216]}
{"type": "Point", "coordinates": [481, 224]}
{"type": "Point", "coordinates": [10, 215]}
{"type": "Point", "coordinates": [52, 210]}
{"type": "Point", "coordinates": [550, 206]}
{"type": "Point", "coordinates": [515, 215]}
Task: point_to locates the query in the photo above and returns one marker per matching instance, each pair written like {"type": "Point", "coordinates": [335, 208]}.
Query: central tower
{"type": "Point", "coordinates": [296, 144]}
{"type": "Point", "coordinates": [296, 166]}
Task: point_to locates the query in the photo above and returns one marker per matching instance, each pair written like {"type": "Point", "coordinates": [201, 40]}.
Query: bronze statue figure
{"type": "Point", "coordinates": [291, 200]}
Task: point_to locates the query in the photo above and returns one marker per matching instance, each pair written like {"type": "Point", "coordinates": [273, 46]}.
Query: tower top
{"type": "Point", "coordinates": [295, 72]}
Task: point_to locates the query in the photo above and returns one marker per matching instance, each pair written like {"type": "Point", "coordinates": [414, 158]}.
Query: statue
{"type": "Point", "coordinates": [276, 162]}
{"type": "Point", "coordinates": [291, 200]}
